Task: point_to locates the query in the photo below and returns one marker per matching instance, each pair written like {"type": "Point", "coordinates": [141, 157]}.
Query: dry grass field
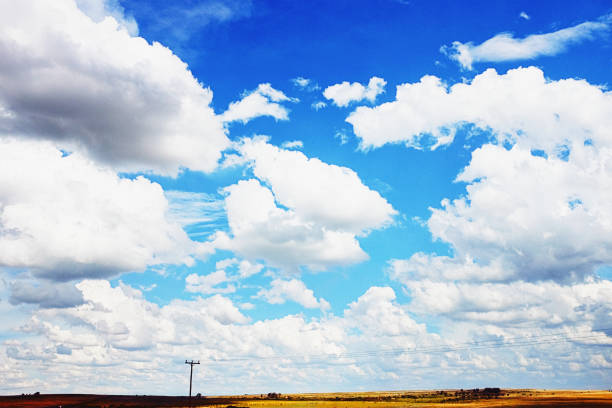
{"type": "Point", "coordinates": [391, 399]}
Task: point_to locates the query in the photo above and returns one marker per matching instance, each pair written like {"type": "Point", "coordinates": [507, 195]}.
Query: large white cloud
{"type": "Point", "coordinates": [318, 192]}
{"type": "Point", "coordinates": [526, 212]}
{"type": "Point", "coordinates": [533, 226]}
{"type": "Point", "coordinates": [545, 304]}
{"type": "Point", "coordinates": [504, 47]}
{"type": "Point", "coordinates": [262, 230]}
{"type": "Point", "coordinates": [92, 86]}
{"type": "Point", "coordinates": [118, 332]}
{"type": "Point", "coordinates": [344, 93]}
{"type": "Point", "coordinates": [520, 106]}
{"type": "Point", "coordinates": [66, 217]}
{"type": "Point", "coordinates": [306, 212]}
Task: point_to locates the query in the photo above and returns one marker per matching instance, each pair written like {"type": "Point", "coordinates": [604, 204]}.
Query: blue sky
{"type": "Point", "coordinates": [285, 190]}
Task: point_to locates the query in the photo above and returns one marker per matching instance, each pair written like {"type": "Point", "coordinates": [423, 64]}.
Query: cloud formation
{"type": "Point", "coordinates": [91, 86]}
{"type": "Point", "coordinates": [520, 105]}
{"type": "Point", "coordinates": [259, 229]}
{"type": "Point", "coordinates": [504, 47]}
{"type": "Point", "coordinates": [293, 290]}
{"type": "Point", "coordinates": [344, 93]}
{"type": "Point", "coordinates": [309, 216]}
{"type": "Point", "coordinates": [538, 183]}
{"type": "Point", "coordinates": [65, 217]}
{"type": "Point", "coordinates": [263, 101]}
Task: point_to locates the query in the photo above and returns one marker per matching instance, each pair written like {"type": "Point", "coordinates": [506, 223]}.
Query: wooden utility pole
{"type": "Point", "coordinates": [191, 363]}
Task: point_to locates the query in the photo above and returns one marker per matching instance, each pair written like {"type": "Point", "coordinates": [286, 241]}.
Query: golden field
{"type": "Point", "coordinates": [391, 399]}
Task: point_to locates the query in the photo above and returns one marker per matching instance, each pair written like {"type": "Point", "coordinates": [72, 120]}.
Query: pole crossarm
{"type": "Point", "coordinates": [191, 364]}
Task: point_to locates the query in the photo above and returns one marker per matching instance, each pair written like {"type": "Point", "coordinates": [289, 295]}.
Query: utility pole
{"type": "Point", "coordinates": [191, 363]}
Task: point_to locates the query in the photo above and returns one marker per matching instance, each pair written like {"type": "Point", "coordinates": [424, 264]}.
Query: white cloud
{"type": "Point", "coordinates": [516, 264]}
{"type": "Point", "coordinates": [295, 144]}
{"type": "Point", "coordinates": [91, 86]}
{"type": "Point", "coordinates": [45, 294]}
{"type": "Point", "coordinates": [326, 194]}
{"type": "Point", "coordinates": [524, 15]}
{"type": "Point", "coordinates": [443, 268]}
{"type": "Point", "coordinates": [305, 84]}
{"type": "Point", "coordinates": [67, 218]}
{"type": "Point", "coordinates": [519, 106]}
{"type": "Point", "coordinates": [262, 230]}
{"type": "Point", "coordinates": [526, 211]}
{"type": "Point", "coordinates": [116, 330]}
{"type": "Point", "coordinates": [294, 290]}
{"type": "Point", "coordinates": [301, 82]}
{"type": "Point", "coordinates": [344, 93]}
{"type": "Point", "coordinates": [263, 101]}
{"type": "Point", "coordinates": [504, 47]}
{"type": "Point", "coordinates": [208, 284]}
{"type": "Point", "coordinates": [545, 304]}
{"type": "Point", "coordinates": [377, 313]}
{"type": "Point", "coordinates": [318, 105]}
{"type": "Point", "coordinates": [228, 272]}
{"type": "Point", "coordinates": [309, 216]}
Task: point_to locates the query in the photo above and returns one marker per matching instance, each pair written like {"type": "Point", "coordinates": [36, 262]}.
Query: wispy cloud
{"type": "Point", "coordinates": [180, 20]}
{"type": "Point", "coordinates": [505, 47]}
{"type": "Point", "coordinates": [198, 213]}
{"type": "Point", "coordinates": [305, 84]}
{"type": "Point", "coordinates": [524, 15]}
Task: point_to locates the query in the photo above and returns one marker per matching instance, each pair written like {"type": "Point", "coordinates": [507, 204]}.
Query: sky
{"type": "Point", "coordinates": [304, 196]}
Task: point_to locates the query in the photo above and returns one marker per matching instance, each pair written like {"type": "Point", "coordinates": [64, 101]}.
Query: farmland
{"type": "Point", "coordinates": [489, 397]}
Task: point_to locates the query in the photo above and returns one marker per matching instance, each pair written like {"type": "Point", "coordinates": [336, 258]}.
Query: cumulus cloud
{"type": "Point", "coordinates": [294, 290]}
{"type": "Point", "coordinates": [444, 268]}
{"type": "Point", "coordinates": [65, 217]}
{"type": "Point", "coordinates": [45, 294]}
{"type": "Point", "coordinates": [540, 182]}
{"type": "Point", "coordinates": [262, 230]}
{"type": "Point", "coordinates": [521, 105]}
{"type": "Point", "coordinates": [263, 101]}
{"type": "Point", "coordinates": [344, 93]}
{"type": "Point", "coordinates": [208, 284]}
{"type": "Point", "coordinates": [116, 329]}
{"type": "Point", "coordinates": [90, 85]}
{"type": "Point", "coordinates": [525, 212]}
{"type": "Point", "coordinates": [377, 313]}
{"type": "Point", "coordinates": [309, 216]}
{"type": "Point", "coordinates": [326, 194]}
{"type": "Point", "coordinates": [505, 47]}
{"type": "Point", "coordinates": [524, 15]}
{"type": "Point", "coordinates": [546, 304]}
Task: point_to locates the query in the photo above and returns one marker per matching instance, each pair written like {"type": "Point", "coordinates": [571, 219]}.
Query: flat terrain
{"type": "Point", "coordinates": [488, 397]}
